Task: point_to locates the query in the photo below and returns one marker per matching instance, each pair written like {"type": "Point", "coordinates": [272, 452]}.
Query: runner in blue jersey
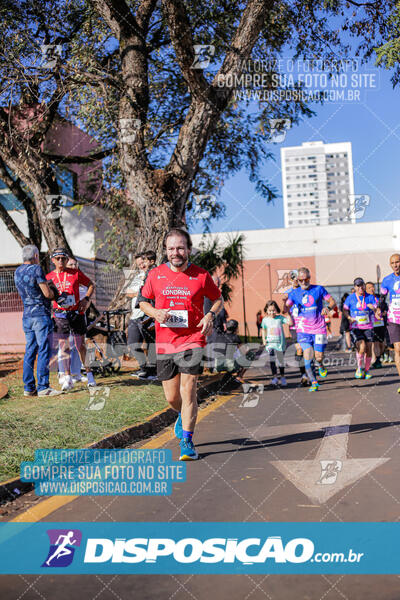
{"type": "Point", "coordinates": [360, 309]}
{"type": "Point", "coordinates": [391, 285]}
{"type": "Point", "coordinates": [310, 324]}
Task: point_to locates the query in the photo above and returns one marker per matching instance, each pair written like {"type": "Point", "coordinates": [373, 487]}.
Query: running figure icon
{"type": "Point", "coordinates": [62, 550]}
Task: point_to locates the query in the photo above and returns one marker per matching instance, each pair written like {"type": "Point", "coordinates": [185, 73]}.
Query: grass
{"type": "Point", "coordinates": [65, 421]}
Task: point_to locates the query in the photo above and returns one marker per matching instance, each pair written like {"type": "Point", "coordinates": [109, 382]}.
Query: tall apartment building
{"type": "Point", "coordinates": [318, 185]}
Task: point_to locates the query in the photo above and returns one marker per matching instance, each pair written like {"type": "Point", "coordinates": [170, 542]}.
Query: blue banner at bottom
{"type": "Point", "coordinates": [157, 548]}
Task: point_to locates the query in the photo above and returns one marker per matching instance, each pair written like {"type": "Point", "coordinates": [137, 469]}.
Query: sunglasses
{"type": "Point", "coordinates": [60, 258]}
{"type": "Point", "coordinates": [303, 280]}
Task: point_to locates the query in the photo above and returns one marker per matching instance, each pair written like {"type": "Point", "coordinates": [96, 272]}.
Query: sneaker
{"type": "Point", "coordinates": [76, 379]}
{"type": "Point", "coordinates": [151, 378]}
{"type": "Point", "coordinates": [359, 374]}
{"type": "Point", "coordinates": [398, 390]}
{"type": "Point", "coordinates": [67, 383]}
{"type": "Point", "coordinates": [49, 392]}
{"type": "Point", "coordinates": [305, 382]}
{"type": "Point", "coordinates": [275, 381]}
{"type": "Point", "coordinates": [283, 382]}
{"type": "Point", "coordinates": [28, 393]}
{"type": "Point", "coordinates": [377, 364]}
{"type": "Point", "coordinates": [314, 387]}
{"type": "Point", "coordinates": [178, 430]}
{"type": "Point", "coordinates": [367, 375]}
{"type": "Point", "coordinates": [139, 374]}
{"type": "Point", "coordinates": [188, 451]}
{"type": "Point", "coordinates": [322, 372]}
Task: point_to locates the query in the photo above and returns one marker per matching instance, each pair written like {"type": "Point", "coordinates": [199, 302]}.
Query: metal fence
{"type": "Point", "coordinates": [105, 276]}
{"type": "Point", "coordinates": [10, 300]}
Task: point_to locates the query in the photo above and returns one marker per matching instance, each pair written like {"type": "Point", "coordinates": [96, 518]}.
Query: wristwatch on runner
{"type": "Point", "coordinates": [213, 314]}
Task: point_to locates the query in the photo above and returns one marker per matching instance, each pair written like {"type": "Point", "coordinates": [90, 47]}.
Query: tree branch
{"type": "Point", "coordinates": [13, 227]}
{"type": "Point", "coordinates": [118, 16]}
{"type": "Point", "coordinates": [202, 116]}
{"type": "Point", "coordinates": [182, 41]}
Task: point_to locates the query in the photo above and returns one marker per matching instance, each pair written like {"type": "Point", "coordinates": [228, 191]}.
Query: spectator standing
{"type": "Point", "coordinates": [36, 294]}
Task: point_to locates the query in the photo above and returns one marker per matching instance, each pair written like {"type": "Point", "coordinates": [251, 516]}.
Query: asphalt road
{"type": "Point", "coordinates": [273, 455]}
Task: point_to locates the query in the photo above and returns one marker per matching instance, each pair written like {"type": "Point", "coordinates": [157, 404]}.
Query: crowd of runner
{"type": "Point", "coordinates": [177, 310]}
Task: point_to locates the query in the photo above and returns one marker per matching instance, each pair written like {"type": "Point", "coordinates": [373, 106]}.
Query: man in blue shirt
{"type": "Point", "coordinates": [36, 294]}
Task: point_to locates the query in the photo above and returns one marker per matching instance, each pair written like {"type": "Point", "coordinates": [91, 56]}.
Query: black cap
{"type": "Point", "coordinates": [231, 325]}
{"type": "Point", "coordinates": [359, 281]}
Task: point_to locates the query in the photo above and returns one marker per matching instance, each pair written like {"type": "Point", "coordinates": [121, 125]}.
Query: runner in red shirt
{"type": "Point", "coordinates": [178, 289]}
{"type": "Point", "coordinates": [69, 312]}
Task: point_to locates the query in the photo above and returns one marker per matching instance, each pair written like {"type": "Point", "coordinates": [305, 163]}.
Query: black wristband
{"type": "Point", "coordinates": [213, 314]}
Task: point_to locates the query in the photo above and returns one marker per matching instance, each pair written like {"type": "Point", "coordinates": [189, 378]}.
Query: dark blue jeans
{"type": "Point", "coordinates": [38, 342]}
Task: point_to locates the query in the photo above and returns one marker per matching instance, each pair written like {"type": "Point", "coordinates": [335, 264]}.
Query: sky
{"type": "Point", "coordinates": [371, 124]}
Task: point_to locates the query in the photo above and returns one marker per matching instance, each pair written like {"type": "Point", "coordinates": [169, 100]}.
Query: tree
{"type": "Point", "coordinates": [170, 124]}
{"type": "Point", "coordinates": [226, 260]}
{"type": "Point", "coordinates": [32, 93]}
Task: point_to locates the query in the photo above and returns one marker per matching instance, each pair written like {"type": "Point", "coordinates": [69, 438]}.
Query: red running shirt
{"type": "Point", "coordinates": [183, 294]}
{"type": "Point", "coordinates": [68, 281]}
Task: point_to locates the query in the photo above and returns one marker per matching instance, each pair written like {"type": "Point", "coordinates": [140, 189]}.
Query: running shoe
{"type": "Point", "coordinates": [28, 393]}
{"type": "Point", "coordinates": [367, 375]}
{"type": "Point", "coordinates": [322, 372]}
{"type": "Point", "coordinates": [398, 390]}
{"type": "Point", "coordinates": [188, 451]}
{"type": "Point", "coordinates": [67, 383]}
{"type": "Point", "coordinates": [283, 382]}
{"type": "Point", "coordinates": [49, 392]}
{"type": "Point", "coordinates": [314, 387]}
{"type": "Point", "coordinates": [274, 381]}
{"type": "Point", "coordinates": [359, 374]}
{"type": "Point", "coordinates": [178, 430]}
{"type": "Point", "coordinates": [377, 364]}
{"type": "Point", "coordinates": [305, 382]}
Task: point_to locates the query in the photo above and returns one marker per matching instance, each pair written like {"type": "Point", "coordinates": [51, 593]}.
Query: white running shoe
{"type": "Point", "coordinates": [49, 392]}
{"type": "Point", "coordinates": [67, 383]}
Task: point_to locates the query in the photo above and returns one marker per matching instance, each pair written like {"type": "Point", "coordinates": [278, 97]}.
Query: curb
{"type": "Point", "coordinates": [14, 488]}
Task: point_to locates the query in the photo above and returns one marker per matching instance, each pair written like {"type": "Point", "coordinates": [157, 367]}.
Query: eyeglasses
{"type": "Point", "coordinates": [60, 258]}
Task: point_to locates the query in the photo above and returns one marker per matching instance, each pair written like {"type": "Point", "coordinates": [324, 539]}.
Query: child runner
{"type": "Point", "coordinates": [273, 338]}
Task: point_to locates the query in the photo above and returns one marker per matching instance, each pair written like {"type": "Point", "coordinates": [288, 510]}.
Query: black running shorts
{"type": "Point", "coordinates": [358, 335]}
{"type": "Point", "coordinates": [189, 362]}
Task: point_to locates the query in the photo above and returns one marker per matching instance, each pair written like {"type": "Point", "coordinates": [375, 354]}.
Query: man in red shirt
{"type": "Point", "coordinates": [178, 289]}
{"type": "Point", "coordinates": [69, 312]}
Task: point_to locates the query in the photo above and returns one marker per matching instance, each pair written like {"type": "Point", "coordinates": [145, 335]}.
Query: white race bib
{"type": "Point", "coordinates": [177, 318]}
{"type": "Point", "coordinates": [320, 338]}
{"type": "Point", "coordinates": [362, 319]}
{"type": "Point", "coordinates": [395, 303]}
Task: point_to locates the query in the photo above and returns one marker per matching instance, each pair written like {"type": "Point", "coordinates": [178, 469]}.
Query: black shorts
{"type": "Point", "coordinates": [380, 334]}
{"type": "Point", "coordinates": [293, 335]}
{"type": "Point", "coordinates": [358, 335]}
{"type": "Point", "coordinates": [73, 323]}
{"type": "Point", "coordinates": [394, 332]}
{"type": "Point", "coordinates": [188, 361]}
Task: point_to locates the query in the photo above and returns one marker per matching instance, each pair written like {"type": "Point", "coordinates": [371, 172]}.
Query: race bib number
{"type": "Point", "coordinates": [395, 303]}
{"type": "Point", "coordinates": [379, 323]}
{"type": "Point", "coordinates": [362, 319]}
{"type": "Point", "coordinates": [177, 318]}
{"type": "Point", "coordinates": [320, 338]}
